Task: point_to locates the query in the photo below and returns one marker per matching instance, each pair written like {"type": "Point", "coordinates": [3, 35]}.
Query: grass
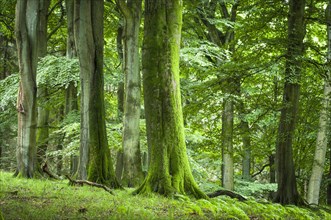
{"type": "Point", "coordinates": [46, 199]}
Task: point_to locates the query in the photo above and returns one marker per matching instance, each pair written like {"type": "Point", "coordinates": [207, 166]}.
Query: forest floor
{"type": "Point", "coordinates": [48, 199]}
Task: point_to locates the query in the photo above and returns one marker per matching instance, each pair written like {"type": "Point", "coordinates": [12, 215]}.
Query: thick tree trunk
{"type": "Point", "coordinates": [26, 26]}
{"type": "Point", "coordinates": [71, 92]}
{"type": "Point", "coordinates": [94, 151]}
{"type": "Point", "coordinates": [169, 170]}
{"type": "Point", "coordinates": [132, 174]}
{"type": "Point", "coordinates": [287, 192]}
{"type": "Point", "coordinates": [322, 136]}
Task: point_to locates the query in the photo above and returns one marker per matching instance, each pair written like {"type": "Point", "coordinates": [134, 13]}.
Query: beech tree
{"type": "Point", "coordinates": [169, 171]}
{"type": "Point", "coordinates": [224, 38]}
{"type": "Point", "coordinates": [132, 174]}
{"type": "Point", "coordinates": [324, 125]}
{"type": "Point", "coordinates": [95, 161]}
{"type": "Point", "coordinates": [71, 53]}
{"type": "Point", "coordinates": [26, 31]}
{"type": "Point", "coordinates": [287, 192]}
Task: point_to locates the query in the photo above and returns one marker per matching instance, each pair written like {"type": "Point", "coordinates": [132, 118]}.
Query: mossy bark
{"type": "Point", "coordinates": [26, 26]}
{"type": "Point", "coordinates": [132, 174]}
{"type": "Point", "coordinates": [169, 171]}
{"type": "Point", "coordinates": [287, 192]}
{"type": "Point", "coordinates": [94, 146]}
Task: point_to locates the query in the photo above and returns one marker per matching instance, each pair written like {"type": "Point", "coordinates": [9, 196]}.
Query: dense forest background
{"type": "Point", "coordinates": [254, 89]}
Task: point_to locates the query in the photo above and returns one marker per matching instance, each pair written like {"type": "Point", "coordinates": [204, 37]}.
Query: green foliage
{"type": "Point", "coordinates": [69, 135]}
{"type": "Point", "coordinates": [8, 120]}
{"type": "Point", "coordinates": [57, 72]}
{"type": "Point", "coordinates": [8, 92]}
{"type": "Point", "coordinates": [255, 189]}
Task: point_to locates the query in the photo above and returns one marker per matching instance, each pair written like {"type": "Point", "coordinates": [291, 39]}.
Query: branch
{"type": "Point", "coordinates": [231, 194]}
{"type": "Point", "coordinates": [225, 11]}
{"type": "Point", "coordinates": [59, 24]}
{"type": "Point", "coordinates": [45, 169]}
{"type": "Point", "coordinates": [82, 182]}
{"type": "Point", "coordinates": [54, 7]}
{"type": "Point", "coordinates": [261, 170]}
{"type": "Point", "coordinates": [124, 8]}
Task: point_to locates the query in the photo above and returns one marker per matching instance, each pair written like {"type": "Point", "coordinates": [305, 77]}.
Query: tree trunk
{"type": "Point", "coordinates": [322, 136]}
{"type": "Point", "coordinates": [120, 85]}
{"type": "Point", "coordinates": [94, 151]}
{"type": "Point", "coordinates": [227, 145]}
{"type": "Point", "coordinates": [246, 166]}
{"type": "Point", "coordinates": [26, 26]}
{"type": "Point", "coordinates": [169, 170]}
{"type": "Point", "coordinates": [320, 151]}
{"type": "Point", "coordinates": [71, 91]}
{"type": "Point", "coordinates": [287, 192]}
{"type": "Point", "coordinates": [328, 190]}
{"type": "Point", "coordinates": [119, 164]}
{"type": "Point", "coordinates": [223, 38]}
{"type": "Point", "coordinates": [272, 168]}
{"type": "Point", "coordinates": [43, 112]}
{"type": "Point", "coordinates": [120, 100]}
{"type": "Point", "coordinates": [132, 174]}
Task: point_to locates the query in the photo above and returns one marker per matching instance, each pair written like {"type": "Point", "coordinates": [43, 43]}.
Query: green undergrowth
{"type": "Point", "coordinates": [46, 199]}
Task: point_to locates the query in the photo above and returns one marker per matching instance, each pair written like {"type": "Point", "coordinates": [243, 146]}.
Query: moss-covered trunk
{"type": "Point", "coordinates": [26, 23]}
{"type": "Point", "coordinates": [287, 192]}
{"type": "Point", "coordinates": [95, 154]}
{"type": "Point", "coordinates": [169, 170]}
{"type": "Point", "coordinates": [132, 174]}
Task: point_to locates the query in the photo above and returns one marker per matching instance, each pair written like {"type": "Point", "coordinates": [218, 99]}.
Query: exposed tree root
{"type": "Point", "coordinates": [82, 182]}
{"type": "Point", "coordinates": [226, 193]}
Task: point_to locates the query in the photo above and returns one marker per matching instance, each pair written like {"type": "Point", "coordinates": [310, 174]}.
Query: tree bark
{"type": "Point", "coordinates": [43, 111]}
{"type": "Point", "coordinates": [71, 92]}
{"type": "Point", "coordinates": [132, 174]}
{"type": "Point", "coordinates": [95, 161]}
{"type": "Point", "coordinates": [169, 171]}
{"type": "Point", "coordinates": [322, 136]}
{"type": "Point", "coordinates": [246, 139]}
{"type": "Point", "coordinates": [26, 31]}
{"type": "Point", "coordinates": [227, 143]}
{"type": "Point", "coordinates": [287, 192]}
{"type": "Point", "coordinates": [328, 190]}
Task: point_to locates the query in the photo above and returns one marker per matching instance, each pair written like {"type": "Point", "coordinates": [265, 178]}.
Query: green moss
{"type": "Point", "coordinates": [22, 198]}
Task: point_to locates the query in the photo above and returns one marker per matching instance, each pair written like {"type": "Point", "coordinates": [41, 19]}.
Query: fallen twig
{"type": "Point", "coordinates": [82, 182]}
